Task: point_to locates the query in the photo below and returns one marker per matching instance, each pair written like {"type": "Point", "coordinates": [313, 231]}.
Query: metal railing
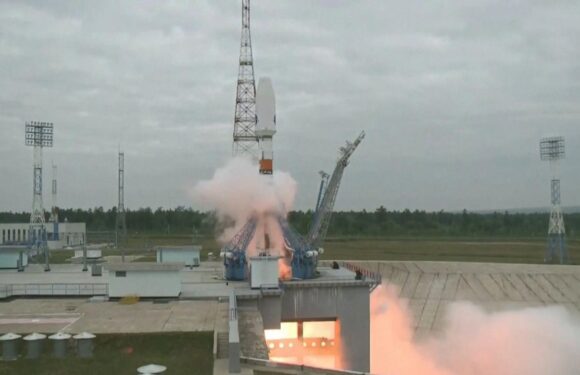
{"type": "Point", "coordinates": [234, 336]}
{"type": "Point", "coordinates": [56, 289]}
{"type": "Point", "coordinates": [282, 368]}
{"type": "Point", "coordinates": [374, 277]}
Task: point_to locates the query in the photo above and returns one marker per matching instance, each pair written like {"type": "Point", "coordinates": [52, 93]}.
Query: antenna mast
{"type": "Point", "coordinates": [245, 140]}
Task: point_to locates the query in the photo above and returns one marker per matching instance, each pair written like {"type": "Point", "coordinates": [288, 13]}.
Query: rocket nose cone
{"type": "Point", "coordinates": [266, 104]}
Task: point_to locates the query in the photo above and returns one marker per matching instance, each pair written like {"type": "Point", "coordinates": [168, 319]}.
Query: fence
{"type": "Point", "coordinates": [234, 337]}
{"type": "Point", "coordinates": [375, 277]}
{"type": "Point", "coordinates": [57, 289]}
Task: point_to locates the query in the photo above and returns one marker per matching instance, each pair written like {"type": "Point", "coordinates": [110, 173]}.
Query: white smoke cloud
{"type": "Point", "coordinates": [237, 191]}
{"type": "Point", "coordinates": [531, 341]}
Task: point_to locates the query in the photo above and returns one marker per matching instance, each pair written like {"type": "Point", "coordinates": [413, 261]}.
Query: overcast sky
{"type": "Point", "coordinates": [453, 96]}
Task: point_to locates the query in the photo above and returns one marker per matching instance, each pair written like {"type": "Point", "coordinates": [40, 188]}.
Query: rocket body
{"type": "Point", "coordinates": [266, 123]}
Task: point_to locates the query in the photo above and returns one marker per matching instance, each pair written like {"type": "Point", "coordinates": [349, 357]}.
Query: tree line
{"type": "Point", "coordinates": [378, 223]}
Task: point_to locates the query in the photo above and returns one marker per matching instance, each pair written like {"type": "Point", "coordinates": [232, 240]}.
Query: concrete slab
{"type": "Point", "coordinates": [108, 317]}
{"type": "Point", "coordinates": [430, 287]}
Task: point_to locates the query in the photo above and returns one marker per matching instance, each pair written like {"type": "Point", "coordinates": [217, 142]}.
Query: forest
{"type": "Point", "coordinates": [378, 223]}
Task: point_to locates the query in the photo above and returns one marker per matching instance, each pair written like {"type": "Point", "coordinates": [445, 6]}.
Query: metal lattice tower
{"type": "Point", "coordinates": [38, 135]}
{"type": "Point", "coordinates": [245, 140]}
{"type": "Point", "coordinates": [121, 223]}
{"type": "Point", "coordinates": [323, 183]}
{"type": "Point", "coordinates": [54, 210]}
{"type": "Point", "coordinates": [552, 150]}
{"type": "Point", "coordinates": [321, 220]}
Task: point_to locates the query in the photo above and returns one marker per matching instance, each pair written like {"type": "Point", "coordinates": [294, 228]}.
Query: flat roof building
{"type": "Point", "coordinates": [58, 235]}
{"type": "Point", "coordinates": [144, 279]}
{"type": "Point", "coordinates": [189, 255]}
{"type": "Point", "coordinates": [12, 255]}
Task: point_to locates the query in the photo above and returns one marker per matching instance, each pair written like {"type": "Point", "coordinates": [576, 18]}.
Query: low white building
{"type": "Point", "coordinates": [92, 254]}
{"type": "Point", "coordinates": [189, 255]}
{"type": "Point", "coordinates": [11, 255]}
{"type": "Point", "coordinates": [58, 235]}
{"type": "Point", "coordinates": [144, 279]}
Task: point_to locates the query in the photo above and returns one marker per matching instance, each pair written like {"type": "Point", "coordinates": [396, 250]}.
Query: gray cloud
{"type": "Point", "coordinates": [454, 97]}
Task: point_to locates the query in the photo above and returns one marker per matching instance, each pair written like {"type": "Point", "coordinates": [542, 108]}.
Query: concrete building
{"type": "Point", "coordinates": [189, 255]}
{"type": "Point", "coordinates": [10, 256]}
{"type": "Point", "coordinates": [144, 279]}
{"type": "Point", "coordinates": [92, 254]}
{"type": "Point", "coordinates": [59, 235]}
{"type": "Point", "coordinates": [329, 315]}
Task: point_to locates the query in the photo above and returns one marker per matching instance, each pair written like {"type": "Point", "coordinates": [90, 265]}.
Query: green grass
{"type": "Point", "coordinates": [182, 353]}
{"type": "Point", "coordinates": [461, 249]}
{"type": "Point", "coordinates": [480, 249]}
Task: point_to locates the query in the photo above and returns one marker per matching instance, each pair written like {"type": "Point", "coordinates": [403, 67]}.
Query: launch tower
{"type": "Point", "coordinates": [245, 140]}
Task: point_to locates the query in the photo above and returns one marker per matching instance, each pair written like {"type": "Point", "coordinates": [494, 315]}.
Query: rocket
{"type": "Point", "coordinates": [266, 123]}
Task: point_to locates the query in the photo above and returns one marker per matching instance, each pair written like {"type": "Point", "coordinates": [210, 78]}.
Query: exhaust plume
{"type": "Point", "coordinates": [238, 191]}
{"type": "Point", "coordinates": [531, 341]}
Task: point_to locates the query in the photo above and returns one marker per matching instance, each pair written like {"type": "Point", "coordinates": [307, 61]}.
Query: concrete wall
{"type": "Point", "coordinates": [271, 310]}
{"type": "Point", "coordinates": [145, 284]}
{"type": "Point", "coordinates": [348, 304]}
{"type": "Point", "coordinates": [190, 256]}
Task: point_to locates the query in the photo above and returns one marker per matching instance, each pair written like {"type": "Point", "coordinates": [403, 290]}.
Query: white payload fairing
{"type": "Point", "coordinates": [266, 123]}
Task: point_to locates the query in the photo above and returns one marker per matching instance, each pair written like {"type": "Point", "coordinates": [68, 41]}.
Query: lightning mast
{"type": "Point", "coordinates": [38, 135]}
{"type": "Point", "coordinates": [54, 210]}
{"type": "Point", "coordinates": [552, 150]}
{"type": "Point", "coordinates": [121, 224]}
{"type": "Point", "coordinates": [245, 140]}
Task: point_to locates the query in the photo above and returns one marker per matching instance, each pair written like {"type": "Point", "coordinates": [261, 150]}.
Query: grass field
{"type": "Point", "coordinates": [182, 353]}
{"type": "Point", "coordinates": [495, 250]}
{"type": "Point", "coordinates": [467, 250]}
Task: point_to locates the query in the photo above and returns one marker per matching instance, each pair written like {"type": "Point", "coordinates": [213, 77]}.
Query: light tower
{"type": "Point", "coordinates": [552, 150]}
{"type": "Point", "coordinates": [245, 140]}
{"type": "Point", "coordinates": [38, 135]}
{"type": "Point", "coordinates": [121, 224]}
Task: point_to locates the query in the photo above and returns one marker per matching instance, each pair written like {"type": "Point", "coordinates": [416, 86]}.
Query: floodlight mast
{"type": "Point", "coordinates": [38, 135]}
{"type": "Point", "coordinates": [552, 149]}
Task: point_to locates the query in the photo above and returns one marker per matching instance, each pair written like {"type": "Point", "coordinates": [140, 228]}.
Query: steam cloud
{"type": "Point", "coordinates": [531, 341]}
{"type": "Point", "coordinates": [237, 191]}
